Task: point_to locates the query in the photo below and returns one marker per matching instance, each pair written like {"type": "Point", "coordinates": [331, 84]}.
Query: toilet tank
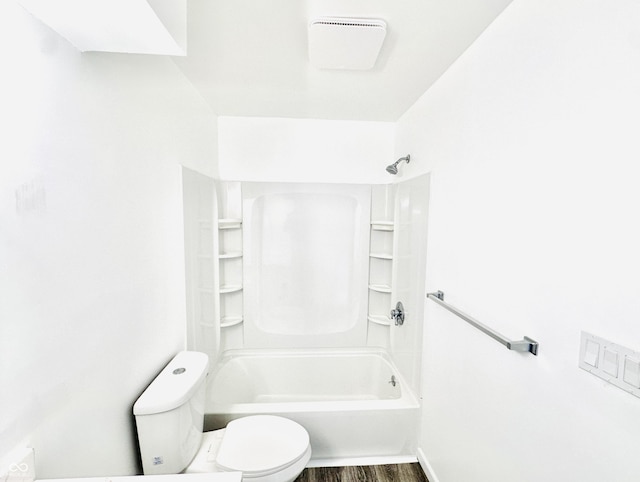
{"type": "Point", "coordinates": [170, 414]}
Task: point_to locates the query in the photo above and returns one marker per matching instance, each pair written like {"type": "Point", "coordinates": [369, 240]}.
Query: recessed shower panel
{"type": "Point", "coordinates": [412, 211]}
{"type": "Point", "coordinates": [305, 264]}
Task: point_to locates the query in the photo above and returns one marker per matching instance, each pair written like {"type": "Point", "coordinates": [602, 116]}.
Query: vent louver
{"type": "Point", "coordinates": [345, 43]}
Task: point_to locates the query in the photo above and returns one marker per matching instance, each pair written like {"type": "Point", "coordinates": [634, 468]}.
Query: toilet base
{"type": "Point", "coordinates": [204, 461]}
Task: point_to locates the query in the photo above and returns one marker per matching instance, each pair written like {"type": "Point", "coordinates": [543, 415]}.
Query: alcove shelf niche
{"type": "Point", "coordinates": [230, 256]}
{"type": "Point", "coordinates": [381, 259]}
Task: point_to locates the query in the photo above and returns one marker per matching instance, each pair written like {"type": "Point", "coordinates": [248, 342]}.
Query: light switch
{"type": "Point", "coordinates": [632, 371]}
{"type": "Point", "coordinates": [610, 361]}
{"type": "Point", "coordinates": [591, 352]}
{"type": "Point", "coordinates": [613, 363]}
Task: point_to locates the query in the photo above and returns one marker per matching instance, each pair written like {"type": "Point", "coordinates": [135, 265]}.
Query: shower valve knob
{"type": "Point", "coordinates": [398, 314]}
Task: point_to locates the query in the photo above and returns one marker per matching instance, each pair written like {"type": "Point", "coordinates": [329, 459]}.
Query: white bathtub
{"type": "Point", "coordinates": [345, 398]}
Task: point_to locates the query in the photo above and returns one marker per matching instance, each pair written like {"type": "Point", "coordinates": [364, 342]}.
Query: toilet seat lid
{"type": "Point", "coordinates": [261, 444]}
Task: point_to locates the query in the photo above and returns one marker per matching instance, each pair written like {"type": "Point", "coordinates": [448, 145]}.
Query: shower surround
{"type": "Point", "coordinates": [293, 309]}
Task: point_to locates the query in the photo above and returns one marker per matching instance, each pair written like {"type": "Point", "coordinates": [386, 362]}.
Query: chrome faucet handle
{"type": "Point", "coordinates": [398, 314]}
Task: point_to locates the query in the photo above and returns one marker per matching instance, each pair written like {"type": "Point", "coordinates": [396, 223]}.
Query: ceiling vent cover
{"type": "Point", "coordinates": [345, 43]}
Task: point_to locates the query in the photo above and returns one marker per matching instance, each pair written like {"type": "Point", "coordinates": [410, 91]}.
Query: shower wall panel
{"type": "Point", "coordinates": [305, 264]}
{"type": "Point", "coordinates": [198, 197]}
{"type": "Point", "coordinates": [410, 250]}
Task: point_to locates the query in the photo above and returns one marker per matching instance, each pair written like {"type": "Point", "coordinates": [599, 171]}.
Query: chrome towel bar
{"type": "Point", "coordinates": [526, 344]}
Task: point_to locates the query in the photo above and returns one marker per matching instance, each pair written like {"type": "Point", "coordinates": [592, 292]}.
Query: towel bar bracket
{"type": "Point", "coordinates": [526, 344]}
{"type": "Point", "coordinates": [438, 294]}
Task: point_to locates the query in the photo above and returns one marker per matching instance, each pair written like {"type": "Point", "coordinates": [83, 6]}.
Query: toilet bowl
{"type": "Point", "coordinates": [170, 416]}
{"type": "Point", "coordinates": [265, 448]}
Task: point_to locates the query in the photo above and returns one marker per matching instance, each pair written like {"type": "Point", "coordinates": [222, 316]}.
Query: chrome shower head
{"type": "Point", "coordinates": [393, 168]}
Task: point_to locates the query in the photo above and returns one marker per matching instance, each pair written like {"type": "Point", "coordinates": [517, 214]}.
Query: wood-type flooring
{"type": "Point", "coordinates": [368, 473]}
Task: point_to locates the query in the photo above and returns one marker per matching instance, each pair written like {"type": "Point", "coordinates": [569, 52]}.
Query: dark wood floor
{"type": "Point", "coordinates": [369, 473]}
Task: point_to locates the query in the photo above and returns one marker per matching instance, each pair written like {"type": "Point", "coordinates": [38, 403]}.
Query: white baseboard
{"type": "Point", "coordinates": [426, 466]}
{"type": "Point", "coordinates": [347, 461]}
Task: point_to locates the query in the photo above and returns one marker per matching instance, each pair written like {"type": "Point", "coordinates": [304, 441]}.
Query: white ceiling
{"type": "Point", "coordinates": [249, 57]}
{"type": "Point", "coordinates": [124, 26]}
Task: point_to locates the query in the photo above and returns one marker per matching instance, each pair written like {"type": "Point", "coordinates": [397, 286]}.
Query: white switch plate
{"type": "Point", "coordinates": [614, 363]}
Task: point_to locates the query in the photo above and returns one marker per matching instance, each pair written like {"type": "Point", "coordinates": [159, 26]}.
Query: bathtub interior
{"type": "Point", "coordinates": [290, 376]}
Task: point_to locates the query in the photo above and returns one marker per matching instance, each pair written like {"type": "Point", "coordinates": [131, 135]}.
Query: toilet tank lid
{"type": "Point", "coordinates": [175, 384]}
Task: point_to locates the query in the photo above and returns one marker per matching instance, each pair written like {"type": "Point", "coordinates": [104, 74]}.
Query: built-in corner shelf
{"type": "Point", "coordinates": [229, 321]}
{"type": "Point", "coordinates": [230, 259]}
{"type": "Point", "coordinates": [229, 223]}
{"type": "Point", "coordinates": [380, 288]}
{"type": "Point", "coordinates": [379, 320]}
{"type": "Point", "coordinates": [381, 255]}
{"type": "Point", "coordinates": [225, 289]}
{"type": "Point", "coordinates": [381, 262]}
{"type": "Point", "coordinates": [382, 225]}
{"type": "Point", "coordinates": [230, 255]}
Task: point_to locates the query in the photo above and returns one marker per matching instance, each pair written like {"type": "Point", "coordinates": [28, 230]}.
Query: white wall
{"type": "Point", "coordinates": [304, 150]}
{"type": "Point", "coordinates": [92, 297]}
{"type": "Point", "coordinates": [532, 142]}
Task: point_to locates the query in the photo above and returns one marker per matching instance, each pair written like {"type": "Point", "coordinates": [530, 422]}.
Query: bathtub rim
{"type": "Point", "coordinates": [320, 351]}
{"type": "Point", "coordinates": [407, 398]}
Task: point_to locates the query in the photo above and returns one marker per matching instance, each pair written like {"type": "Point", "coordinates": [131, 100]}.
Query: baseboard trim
{"type": "Point", "coordinates": [426, 466]}
{"type": "Point", "coordinates": [349, 461]}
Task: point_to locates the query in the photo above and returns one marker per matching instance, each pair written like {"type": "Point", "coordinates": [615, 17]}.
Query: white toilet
{"type": "Point", "coordinates": [170, 417]}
